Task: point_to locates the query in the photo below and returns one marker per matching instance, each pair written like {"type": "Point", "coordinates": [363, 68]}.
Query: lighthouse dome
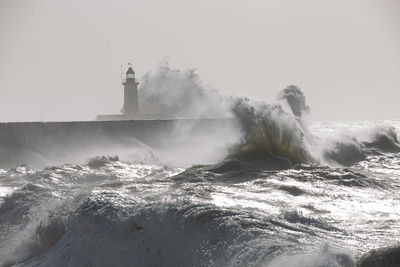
{"type": "Point", "coordinates": [130, 73]}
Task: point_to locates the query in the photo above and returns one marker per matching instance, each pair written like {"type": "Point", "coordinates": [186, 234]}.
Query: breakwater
{"type": "Point", "coordinates": [36, 143]}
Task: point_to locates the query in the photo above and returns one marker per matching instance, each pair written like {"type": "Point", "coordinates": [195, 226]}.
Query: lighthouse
{"type": "Point", "coordinates": [130, 109]}
{"type": "Point", "coordinates": [131, 94]}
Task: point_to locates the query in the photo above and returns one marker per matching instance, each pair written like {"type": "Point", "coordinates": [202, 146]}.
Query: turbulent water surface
{"type": "Point", "coordinates": [248, 209]}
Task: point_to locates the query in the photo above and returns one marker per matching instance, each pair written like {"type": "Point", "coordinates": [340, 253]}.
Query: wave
{"type": "Point", "coordinates": [271, 131]}
{"type": "Point", "coordinates": [384, 139]}
{"type": "Point", "coordinates": [382, 257]}
{"type": "Point", "coordinates": [325, 256]}
{"type": "Point", "coordinates": [108, 228]}
{"type": "Point", "coordinates": [101, 161]}
{"type": "Point", "coordinates": [72, 216]}
{"type": "Point", "coordinates": [348, 150]}
{"type": "Point", "coordinates": [278, 135]}
{"type": "Point", "coordinates": [343, 152]}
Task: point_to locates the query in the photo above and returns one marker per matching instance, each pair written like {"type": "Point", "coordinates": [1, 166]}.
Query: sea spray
{"type": "Point", "coordinates": [180, 93]}
{"type": "Point", "coordinates": [272, 129]}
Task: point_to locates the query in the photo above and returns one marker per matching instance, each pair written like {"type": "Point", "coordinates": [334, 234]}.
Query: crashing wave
{"type": "Point", "coordinates": [381, 257]}
{"type": "Point", "coordinates": [110, 229]}
{"type": "Point", "coordinates": [344, 152]}
{"type": "Point", "coordinates": [272, 131]}
{"type": "Point", "coordinates": [277, 135]}
{"type": "Point", "coordinates": [348, 150]}
{"type": "Point", "coordinates": [98, 162]}
{"type": "Point", "coordinates": [384, 139]}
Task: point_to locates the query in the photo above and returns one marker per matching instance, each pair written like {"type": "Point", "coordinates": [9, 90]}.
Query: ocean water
{"type": "Point", "coordinates": [244, 208]}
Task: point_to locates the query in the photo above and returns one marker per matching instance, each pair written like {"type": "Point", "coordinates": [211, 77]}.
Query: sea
{"type": "Point", "coordinates": [280, 192]}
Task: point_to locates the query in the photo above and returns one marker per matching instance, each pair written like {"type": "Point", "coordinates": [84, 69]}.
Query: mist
{"type": "Point", "coordinates": [180, 93]}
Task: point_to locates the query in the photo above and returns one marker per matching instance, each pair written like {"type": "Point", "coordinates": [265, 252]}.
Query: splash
{"type": "Point", "coordinates": [180, 93]}
{"type": "Point", "coordinates": [273, 130]}
{"type": "Point", "coordinates": [278, 133]}
{"type": "Point", "coordinates": [296, 100]}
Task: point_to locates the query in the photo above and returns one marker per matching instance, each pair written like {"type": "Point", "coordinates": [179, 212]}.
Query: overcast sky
{"type": "Point", "coordinates": [60, 60]}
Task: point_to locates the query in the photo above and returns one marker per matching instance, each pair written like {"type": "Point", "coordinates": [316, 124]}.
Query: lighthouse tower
{"type": "Point", "coordinates": [131, 96]}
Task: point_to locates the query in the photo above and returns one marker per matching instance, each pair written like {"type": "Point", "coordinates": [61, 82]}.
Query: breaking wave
{"type": "Point", "coordinates": [110, 228]}
{"type": "Point", "coordinates": [271, 131]}
{"type": "Point", "coordinates": [383, 139]}
{"type": "Point", "coordinates": [349, 150]}
{"type": "Point", "coordinates": [278, 135]}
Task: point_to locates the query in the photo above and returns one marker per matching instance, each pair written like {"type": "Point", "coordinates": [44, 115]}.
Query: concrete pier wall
{"type": "Point", "coordinates": [36, 143]}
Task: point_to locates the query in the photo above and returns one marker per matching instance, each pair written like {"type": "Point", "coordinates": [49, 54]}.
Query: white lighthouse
{"type": "Point", "coordinates": [130, 109]}
{"type": "Point", "coordinates": [131, 95]}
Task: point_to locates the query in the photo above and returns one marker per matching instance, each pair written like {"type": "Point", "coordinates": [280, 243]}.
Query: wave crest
{"type": "Point", "coordinates": [384, 139]}
{"type": "Point", "coordinates": [271, 130]}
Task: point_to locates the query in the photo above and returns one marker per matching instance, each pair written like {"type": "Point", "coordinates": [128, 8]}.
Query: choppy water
{"type": "Point", "coordinates": [235, 212]}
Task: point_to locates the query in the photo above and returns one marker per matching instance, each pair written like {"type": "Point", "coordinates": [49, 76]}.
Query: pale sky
{"type": "Point", "coordinates": [60, 60]}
